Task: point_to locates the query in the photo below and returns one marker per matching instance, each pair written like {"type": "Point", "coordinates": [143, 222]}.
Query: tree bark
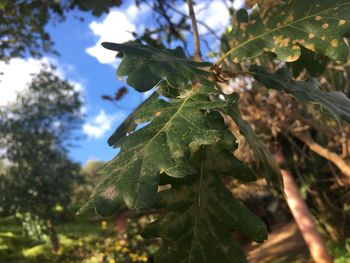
{"type": "Point", "coordinates": [303, 218]}
{"type": "Point", "coordinates": [53, 236]}
{"type": "Point", "coordinates": [343, 166]}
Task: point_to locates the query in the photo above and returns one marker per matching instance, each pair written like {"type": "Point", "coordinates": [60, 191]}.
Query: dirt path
{"type": "Point", "coordinates": [285, 245]}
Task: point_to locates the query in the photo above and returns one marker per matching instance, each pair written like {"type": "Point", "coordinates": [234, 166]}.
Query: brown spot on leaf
{"type": "Point", "coordinates": [334, 43]}
{"type": "Point", "coordinates": [179, 154]}
{"type": "Point", "coordinates": [109, 193]}
{"type": "Point", "coordinates": [325, 25]}
{"type": "Point", "coordinates": [158, 113]}
{"type": "Point", "coordinates": [289, 19]}
{"type": "Point", "coordinates": [311, 36]}
{"type": "Point", "coordinates": [292, 58]}
{"type": "Point", "coordinates": [310, 46]}
{"type": "Point", "coordinates": [318, 18]}
{"type": "Point", "coordinates": [342, 22]}
{"type": "Point", "coordinates": [243, 26]}
{"type": "Point", "coordinates": [278, 40]}
{"type": "Point", "coordinates": [250, 36]}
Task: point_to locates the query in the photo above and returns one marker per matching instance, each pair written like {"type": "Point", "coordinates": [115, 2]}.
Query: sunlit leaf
{"type": "Point", "coordinates": [161, 146]}
{"type": "Point", "coordinates": [129, 125]}
{"type": "Point", "coordinates": [318, 25]}
{"type": "Point", "coordinates": [314, 63]}
{"type": "Point", "coordinates": [145, 65]}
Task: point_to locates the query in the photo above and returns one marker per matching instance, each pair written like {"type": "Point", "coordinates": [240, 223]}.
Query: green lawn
{"type": "Point", "coordinates": [15, 247]}
{"type": "Point", "coordinates": [81, 241]}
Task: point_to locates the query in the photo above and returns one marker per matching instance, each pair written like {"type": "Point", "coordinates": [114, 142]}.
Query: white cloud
{"type": "Point", "coordinates": [15, 77]}
{"type": "Point", "coordinates": [216, 16]}
{"type": "Point", "coordinates": [17, 74]}
{"type": "Point", "coordinates": [116, 27]}
{"type": "Point", "coordinates": [118, 24]}
{"type": "Point", "coordinates": [101, 124]}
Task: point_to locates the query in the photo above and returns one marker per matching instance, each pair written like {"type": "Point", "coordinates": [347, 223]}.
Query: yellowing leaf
{"type": "Point", "coordinates": [318, 25]}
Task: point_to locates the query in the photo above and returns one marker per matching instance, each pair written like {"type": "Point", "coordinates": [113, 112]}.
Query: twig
{"type": "Point", "coordinates": [163, 12]}
{"type": "Point", "coordinates": [198, 21]}
{"type": "Point", "coordinates": [197, 48]}
{"type": "Point", "coordinates": [325, 153]}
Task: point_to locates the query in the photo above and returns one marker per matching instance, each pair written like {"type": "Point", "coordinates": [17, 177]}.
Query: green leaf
{"type": "Point", "coordinates": [198, 220]}
{"type": "Point", "coordinates": [129, 124]}
{"type": "Point", "coordinates": [161, 146]}
{"type": "Point", "coordinates": [145, 65]}
{"type": "Point", "coordinates": [222, 162]}
{"type": "Point", "coordinates": [335, 103]}
{"type": "Point", "coordinates": [314, 63]}
{"type": "Point", "coordinates": [267, 165]}
{"type": "Point", "coordinates": [319, 25]}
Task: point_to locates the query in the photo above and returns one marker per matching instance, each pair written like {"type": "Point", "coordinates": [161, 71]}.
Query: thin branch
{"type": "Point", "coordinates": [197, 48]}
{"type": "Point", "coordinates": [198, 21]}
{"type": "Point", "coordinates": [325, 153]}
{"type": "Point", "coordinates": [163, 12]}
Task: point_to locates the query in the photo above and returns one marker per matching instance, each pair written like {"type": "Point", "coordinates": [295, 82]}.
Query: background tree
{"type": "Point", "coordinates": [22, 23]}
{"type": "Point", "coordinates": [89, 179]}
{"type": "Point", "coordinates": [34, 132]}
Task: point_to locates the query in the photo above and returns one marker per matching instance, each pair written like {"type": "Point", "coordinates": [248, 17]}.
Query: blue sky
{"type": "Point", "coordinates": [93, 70]}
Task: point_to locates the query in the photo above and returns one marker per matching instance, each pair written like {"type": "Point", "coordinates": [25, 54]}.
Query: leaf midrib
{"type": "Point", "coordinates": [195, 230]}
{"type": "Point", "coordinates": [155, 136]}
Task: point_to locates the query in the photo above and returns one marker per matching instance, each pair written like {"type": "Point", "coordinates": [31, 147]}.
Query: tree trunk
{"type": "Point", "coordinates": [303, 218]}
{"type": "Point", "coordinates": [53, 236]}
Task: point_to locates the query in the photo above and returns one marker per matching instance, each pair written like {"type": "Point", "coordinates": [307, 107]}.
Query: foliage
{"type": "Point", "coordinates": [168, 164]}
{"type": "Point", "coordinates": [145, 66]}
{"type": "Point", "coordinates": [83, 187]}
{"type": "Point", "coordinates": [340, 253]}
{"type": "Point", "coordinates": [23, 23]}
{"type": "Point", "coordinates": [335, 103]}
{"type": "Point", "coordinates": [34, 132]}
{"type": "Point", "coordinates": [81, 241]}
{"type": "Point", "coordinates": [201, 215]}
{"type": "Point", "coordinates": [316, 25]}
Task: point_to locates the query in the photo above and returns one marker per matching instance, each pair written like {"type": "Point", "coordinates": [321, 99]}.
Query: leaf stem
{"type": "Point", "coordinates": [225, 56]}
{"type": "Point", "coordinates": [197, 48]}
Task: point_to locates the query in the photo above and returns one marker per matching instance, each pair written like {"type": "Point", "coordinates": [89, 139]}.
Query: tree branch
{"type": "Point", "coordinates": [325, 153]}
{"type": "Point", "coordinates": [198, 21]}
{"type": "Point", "coordinates": [197, 48]}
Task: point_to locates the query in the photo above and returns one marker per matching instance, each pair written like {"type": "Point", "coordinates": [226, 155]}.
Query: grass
{"type": "Point", "coordinates": [80, 241]}
{"type": "Point", "coordinates": [15, 247]}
